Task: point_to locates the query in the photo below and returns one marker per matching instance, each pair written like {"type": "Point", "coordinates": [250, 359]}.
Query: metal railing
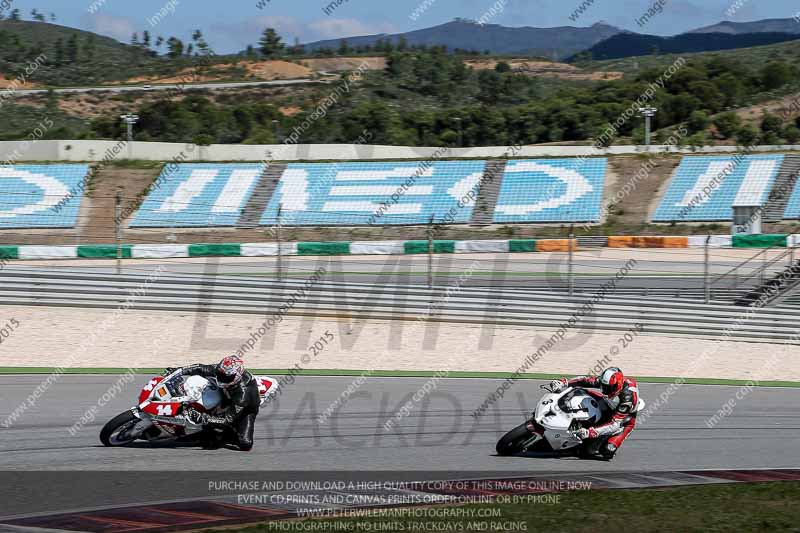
{"type": "Point", "coordinates": [348, 301]}
{"type": "Point", "coordinates": [751, 273]}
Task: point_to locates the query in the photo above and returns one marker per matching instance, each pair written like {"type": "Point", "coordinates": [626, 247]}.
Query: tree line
{"type": "Point", "coordinates": [432, 98]}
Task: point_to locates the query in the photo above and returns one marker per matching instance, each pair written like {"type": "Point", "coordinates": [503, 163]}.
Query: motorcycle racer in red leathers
{"type": "Point", "coordinates": [622, 395]}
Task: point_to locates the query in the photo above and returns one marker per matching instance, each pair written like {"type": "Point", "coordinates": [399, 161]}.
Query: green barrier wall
{"type": "Point", "coordinates": [206, 250]}
{"type": "Point", "coordinates": [759, 241]}
{"type": "Point", "coordinates": [323, 248]}
{"type": "Point", "coordinates": [104, 252]}
{"type": "Point", "coordinates": [527, 245]}
{"type": "Point", "coordinates": [9, 252]}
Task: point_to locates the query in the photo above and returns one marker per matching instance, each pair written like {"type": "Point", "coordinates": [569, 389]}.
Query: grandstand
{"type": "Point", "coordinates": [41, 196]}
{"type": "Point", "coordinates": [198, 194]}
{"type": "Point", "coordinates": [793, 207]}
{"type": "Point", "coordinates": [236, 202]}
{"type": "Point", "coordinates": [552, 190]}
{"type": "Point", "coordinates": [373, 193]}
{"type": "Point", "coordinates": [378, 193]}
{"type": "Point", "coordinates": [707, 188]}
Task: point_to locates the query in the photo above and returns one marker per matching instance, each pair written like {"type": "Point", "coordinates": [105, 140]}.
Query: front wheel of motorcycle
{"type": "Point", "coordinates": [514, 441]}
{"type": "Point", "coordinates": [117, 432]}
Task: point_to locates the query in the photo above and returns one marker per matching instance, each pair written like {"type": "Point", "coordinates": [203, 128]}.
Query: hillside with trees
{"type": "Point", "coordinates": [431, 98]}
{"type": "Point", "coordinates": [80, 58]}
{"type": "Point", "coordinates": [424, 96]}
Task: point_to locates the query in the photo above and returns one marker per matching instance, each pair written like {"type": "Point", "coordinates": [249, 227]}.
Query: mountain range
{"type": "Point", "coordinates": [759, 26]}
{"type": "Point", "coordinates": [636, 44]}
{"type": "Point", "coordinates": [555, 43]}
{"type": "Point", "coordinates": [566, 41]}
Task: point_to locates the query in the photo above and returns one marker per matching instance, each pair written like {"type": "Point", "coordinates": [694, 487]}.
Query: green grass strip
{"type": "Point", "coordinates": [401, 374]}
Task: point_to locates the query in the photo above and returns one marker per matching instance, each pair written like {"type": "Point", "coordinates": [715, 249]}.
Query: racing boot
{"type": "Point", "coordinates": [608, 451]}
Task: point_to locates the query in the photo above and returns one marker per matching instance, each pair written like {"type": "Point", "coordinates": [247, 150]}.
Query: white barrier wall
{"type": "Point", "coordinates": [22, 151]}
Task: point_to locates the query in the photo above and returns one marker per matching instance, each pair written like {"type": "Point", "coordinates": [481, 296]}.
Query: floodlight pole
{"type": "Point", "coordinates": [648, 113]}
{"type": "Point", "coordinates": [276, 125]}
{"type": "Point", "coordinates": [460, 132]}
{"type": "Point", "coordinates": [130, 120]}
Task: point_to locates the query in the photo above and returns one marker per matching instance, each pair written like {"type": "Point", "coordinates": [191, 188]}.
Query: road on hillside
{"type": "Point", "coordinates": [168, 87]}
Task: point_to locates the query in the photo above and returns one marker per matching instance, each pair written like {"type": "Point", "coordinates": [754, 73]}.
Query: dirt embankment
{"type": "Point", "coordinates": [267, 70]}
{"type": "Point", "coordinates": [546, 69]}
{"type": "Point", "coordinates": [339, 64]}
{"type": "Point", "coordinates": [89, 106]}
{"type": "Point", "coordinates": [15, 83]}
{"type": "Point", "coordinates": [788, 108]}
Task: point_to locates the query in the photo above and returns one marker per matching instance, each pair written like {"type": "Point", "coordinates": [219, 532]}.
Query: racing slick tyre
{"type": "Point", "coordinates": [514, 441]}
{"type": "Point", "coordinates": [117, 431]}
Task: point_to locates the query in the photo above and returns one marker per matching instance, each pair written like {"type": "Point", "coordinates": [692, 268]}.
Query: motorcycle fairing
{"type": "Point", "coordinates": [147, 390]}
{"type": "Point", "coordinates": [161, 408]}
{"type": "Point", "coordinates": [560, 414]}
{"type": "Point", "coordinates": [267, 386]}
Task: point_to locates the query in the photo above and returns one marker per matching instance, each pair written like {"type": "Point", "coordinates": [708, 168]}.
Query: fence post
{"type": "Point", "coordinates": [707, 271]}
{"type": "Point", "coordinates": [570, 275]}
{"type": "Point", "coordinates": [118, 231]}
{"type": "Point", "coordinates": [430, 253]}
{"type": "Point", "coordinates": [279, 262]}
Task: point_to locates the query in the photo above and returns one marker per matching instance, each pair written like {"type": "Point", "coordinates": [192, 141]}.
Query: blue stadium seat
{"type": "Point", "coordinates": [707, 188]}
{"type": "Point", "coordinates": [793, 207]}
{"type": "Point", "coordinates": [41, 196]}
{"type": "Point", "coordinates": [198, 195]}
{"type": "Point", "coordinates": [552, 190]}
{"type": "Point", "coordinates": [374, 193]}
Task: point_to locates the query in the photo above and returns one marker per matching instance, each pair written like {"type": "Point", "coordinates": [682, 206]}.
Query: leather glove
{"type": "Point", "coordinates": [557, 385]}
{"type": "Point", "coordinates": [169, 370]}
{"type": "Point", "coordinates": [584, 433]}
{"type": "Point", "coordinates": [196, 417]}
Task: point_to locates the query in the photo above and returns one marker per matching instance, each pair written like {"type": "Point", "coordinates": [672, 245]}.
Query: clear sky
{"type": "Point", "coordinates": [230, 25]}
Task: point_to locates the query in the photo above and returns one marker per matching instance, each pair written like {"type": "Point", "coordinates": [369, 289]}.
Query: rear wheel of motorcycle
{"type": "Point", "coordinates": [512, 442]}
{"type": "Point", "coordinates": [115, 432]}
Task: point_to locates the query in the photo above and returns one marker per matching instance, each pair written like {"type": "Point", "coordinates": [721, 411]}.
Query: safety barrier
{"type": "Point", "coordinates": [489, 306]}
{"type": "Point", "coordinates": [264, 249]}
{"type": "Point", "coordinates": [648, 242]}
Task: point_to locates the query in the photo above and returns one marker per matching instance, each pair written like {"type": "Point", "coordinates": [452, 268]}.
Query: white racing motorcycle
{"type": "Point", "coordinates": [163, 402]}
{"type": "Point", "coordinates": [556, 420]}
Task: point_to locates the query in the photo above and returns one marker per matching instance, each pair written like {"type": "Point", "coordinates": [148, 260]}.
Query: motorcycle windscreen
{"type": "Point", "coordinates": [211, 398]}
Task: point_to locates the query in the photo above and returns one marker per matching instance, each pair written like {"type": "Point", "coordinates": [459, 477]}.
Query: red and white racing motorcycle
{"type": "Point", "coordinates": [160, 415]}
{"type": "Point", "coordinates": [556, 420]}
